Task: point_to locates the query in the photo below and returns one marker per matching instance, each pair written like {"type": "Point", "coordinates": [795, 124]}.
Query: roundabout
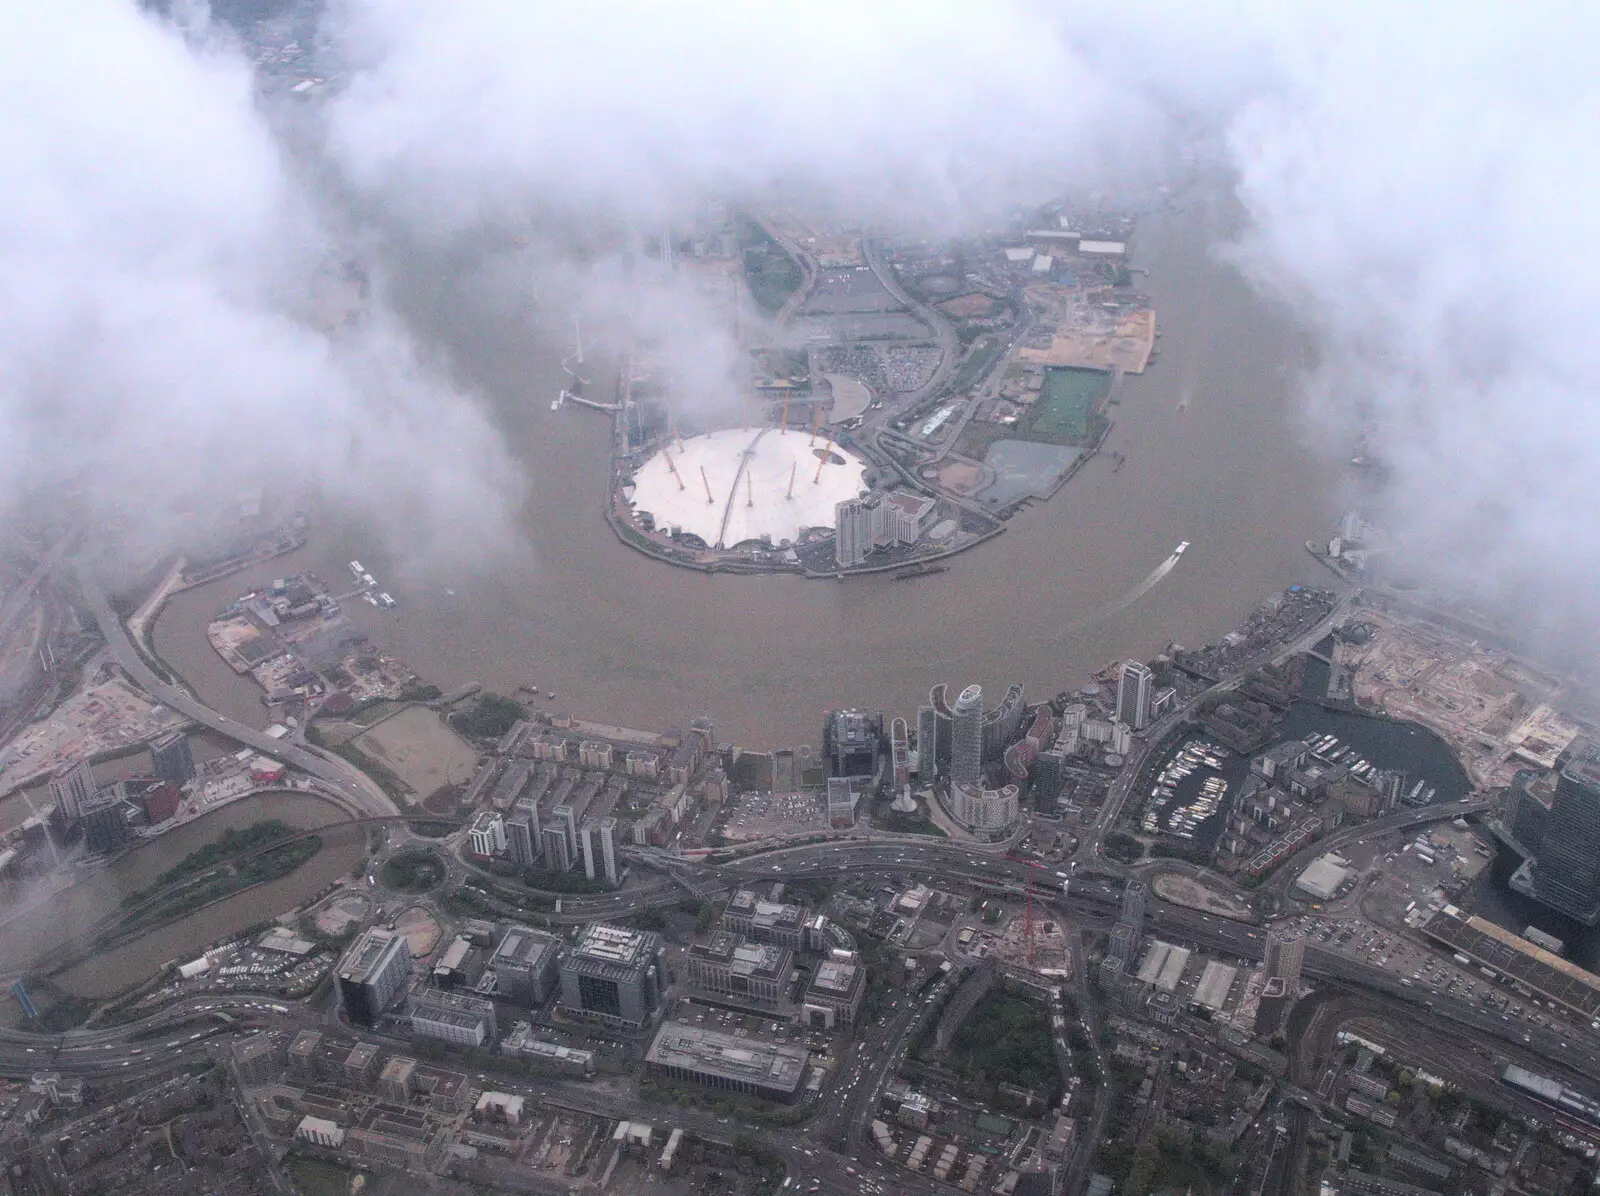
{"type": "Point", "coordinates": [413, 871]}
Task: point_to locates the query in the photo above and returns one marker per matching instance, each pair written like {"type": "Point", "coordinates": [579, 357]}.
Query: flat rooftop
{"type": "Point", "coordinates": [1494, 946]}
{"type": "Point", "coordinates": [835, 977]}
{"type": "Point", "coordinates": [770, 1065]}
{"type": "Point", "coordinates": [360, 960]}
{"type": "Point", "coordinates": [614, 948]}
{"type": "Point", "coordinates": [524, 947]}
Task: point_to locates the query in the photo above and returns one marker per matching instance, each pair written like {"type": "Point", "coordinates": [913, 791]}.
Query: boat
{"type": "Point", "coordinates": [385, 600]}
{"type": "Point", "coordinates": [549, 693]}
{"type": "Point", "coordinates": [920, 571]}
{"type": "Point", "coordinates": [1179, 550]}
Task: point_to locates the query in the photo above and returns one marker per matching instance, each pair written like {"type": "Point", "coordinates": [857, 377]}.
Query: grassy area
{"type": "Point", "coordinates": [412, 872]}
{"type": "Point", "coordinates": [387, 780]}
{"type": "Point", "coordinates": [222, 881]}
{"type": "Point", "coordinates": [231, 845]}
{"type": "Point", "coordinates": [1069, 397]}
{"type": "Point", "coordinates": [489, 717]}
{"type": "Point", "coordinates": [317, 1178]}
{"type": "Point", "coordinates": [772, 274]}
{"type": "Point", "coordinates": [1172, 1160]}
{"type": "Point", "coordinates": [972, 366]}
{"type": "Point", "coordinates": [1006, 1039]}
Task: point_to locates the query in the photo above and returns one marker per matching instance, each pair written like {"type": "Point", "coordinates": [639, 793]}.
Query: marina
{"type": "Point", "coordinates": [1168, 812]}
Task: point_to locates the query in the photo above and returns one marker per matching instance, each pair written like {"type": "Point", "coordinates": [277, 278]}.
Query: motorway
{"type": "Point", "coordinates": [354, 787]}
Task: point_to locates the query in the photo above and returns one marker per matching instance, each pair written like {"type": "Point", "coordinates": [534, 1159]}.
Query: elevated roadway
{"type": "Point", "coordinates": [359, 791]}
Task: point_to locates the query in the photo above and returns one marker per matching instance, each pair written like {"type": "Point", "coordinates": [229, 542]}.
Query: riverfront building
{"type": "Point", "coordinates": [1135, 683]}
{"type": "Point", "coordinates": [613, 973]}
{"type": "Point", "coordinates": [105, 822]}
{"type": "Point", "coordinates": [966, 738]}
{"type": "Point", "coordinates": [171, 758]}
{"type": "Point", "coordinates": [71, 789]}
{"type": "Point", "coordinates": [769, 1070]}
{"type": "Point", "coordinates": [988, 811]}
{"type": "Point", "coordinates": [1566, 872]}
{"type": "Point", "coordinates": [374, 969]}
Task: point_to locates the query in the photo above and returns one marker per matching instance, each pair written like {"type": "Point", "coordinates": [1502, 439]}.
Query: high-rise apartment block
{"type": "Point", "coordinates": [1135, 683]}
{"type": "Point", "coordinates": [927, 744]}
{"type": "Point", "coordinates": [522, 833]}
{"type": "Point", "coordinates": [372, 971]}
{"type": "Point", "coordinates": [487, 835]}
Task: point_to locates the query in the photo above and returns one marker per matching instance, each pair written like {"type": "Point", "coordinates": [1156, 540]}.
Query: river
{"type": "Point", "coordinates": [1215, 455]}
{"type": "Point", "coordinates": [103, 891]}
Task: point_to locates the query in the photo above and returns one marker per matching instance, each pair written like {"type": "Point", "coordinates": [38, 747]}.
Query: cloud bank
{"type": "Point", "coordinates": [158, 343]}
{"type": "Point", "coordinates": [1418, 188]}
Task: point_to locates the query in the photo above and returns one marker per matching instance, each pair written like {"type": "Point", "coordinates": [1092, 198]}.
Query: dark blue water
{"type": "Point", "coordinates": [1492, 898]}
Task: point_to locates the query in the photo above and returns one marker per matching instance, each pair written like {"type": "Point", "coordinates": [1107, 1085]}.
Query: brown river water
{"type": "Point", "coordinates": [1215, 455]}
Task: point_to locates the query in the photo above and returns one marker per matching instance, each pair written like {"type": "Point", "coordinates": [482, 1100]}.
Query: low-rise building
{"type": "Point", "coordinates": [835, 994]}
{"type": "Point", "coordinates": [773, 922]}
{"type": "Point", "coordinates": [727, 965]}
{"type": "Point", "coordinates": [524, 967]}
{"type": "Point", "coordinates": [769, 1070]}
{"type": "Point", "coordinates": [453, 1017]}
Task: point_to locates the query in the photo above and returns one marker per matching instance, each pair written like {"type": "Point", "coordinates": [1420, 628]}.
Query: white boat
{"type": "Point", "coordinates": [1179, 550]}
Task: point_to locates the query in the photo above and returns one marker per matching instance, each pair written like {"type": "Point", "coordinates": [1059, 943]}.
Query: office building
{"type": "Point", "coordinates": [1135, 683]}
{"type": "Point", "coordinates": [853, 741]}
{"type": "Point", "coordinates": [372, 971]}
{"type": "Point", "coordinates": [1286, 952]}
{"type": "Point", "coordinates": [613, 973]}
{"type": "Point", "coordinates": [487, 835]}
{"type": "Point", "coordinates": [1566, 873]}
{"type": "Point", "coordinates": [461, 964]}
{"type": "Point", "coordinates": [841, 802]}
{"type": "Point", "coordinates": [524, 967]}
{"type": "Point", "coordinates": [256, 1058]}
{"type": "Point", "coordinates": [770, 1070]}
{"type": "Point", "coordinates": [899, 754]}
{"type": "Point", "coordinates": [610, 869]}
{"type": "Point", "coordinates": [398, 1079]}
{"type": "Point", "coordinates": [71, 788]}
{"type": "Point", "coordinates": [452, 1017]}
{"type": "Point", "coordinates": [160, 802]}
{"type": "Point", "coordinates": [105, 820]}
{"type": "Point", "coordinates": [927, 744]}
{"type": "Point", "coordinates": [834, 996]}
{"type": "Point", "coordinates": [522, 833]}
{"type": "Point", "coordinates": [523, 1043]}
{"type": "Point", "coordinates": [755, 973]}
{"type": "Point", "coordinates": [966, 738]}
{"type": "Point", "coordinates": [171, 758]}
{"type": "Point", "coordinates": [775, 922]}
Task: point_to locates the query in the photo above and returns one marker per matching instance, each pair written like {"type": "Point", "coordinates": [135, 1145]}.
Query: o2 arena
{"type": "Point", "coordinates": [739, 485]}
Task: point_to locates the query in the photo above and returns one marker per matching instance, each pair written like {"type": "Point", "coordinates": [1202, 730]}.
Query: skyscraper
{"type": "Point", "coordinates": [72, 788]}
{"type": "Point", "coordinates": [1286, 951]}
{"type": "Point", "coordinates": [522, 833]}
{"type": "Point", "coordinates": [853, 740]}
{"type": "Point", "coordinates": [105, 825]}
{"type": "Point", "coordinates": [966, 738]}
{"type": "Point", "coordinates": [852, 531]}
{"type": "Point", "coordinates": [1566, 874]}
{"type": "Point", "coordinates": [171, 758]}
{"type": "Point", "coordinates": [1134, 684]}
{"type": "Point", "coordinates": [1133, 896]}
{"type": "Point", "coordinates": [927, 744]}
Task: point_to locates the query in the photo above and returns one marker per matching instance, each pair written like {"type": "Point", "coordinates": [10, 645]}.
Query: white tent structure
{"type": "Point", "coordinates": [736, 485]}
